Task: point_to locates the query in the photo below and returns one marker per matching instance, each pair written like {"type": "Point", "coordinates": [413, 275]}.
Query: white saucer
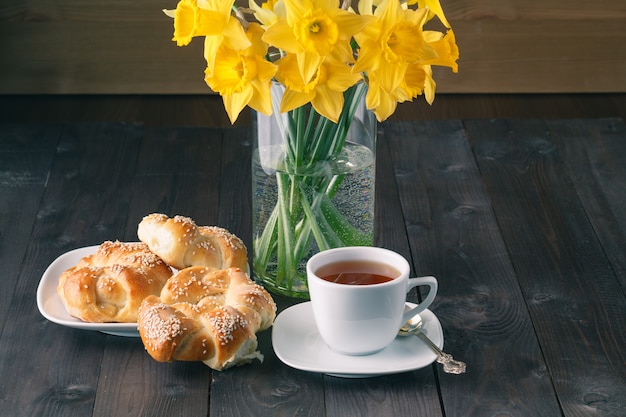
{"type": "Point", "coordinates": [298, 344]}
{"type": "Point", "coordinates": [50, 304]}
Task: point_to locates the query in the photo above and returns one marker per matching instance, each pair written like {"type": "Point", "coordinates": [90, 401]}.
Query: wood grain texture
{"type": "Point", "coordinates": [454, 236]}
{"type": "Point", "coordinates": [593, 153]}
{"type": "Point", "coordinates": [176, 175]}
{"type": "Point", "coordinates": [175, 179]}
{"type": "Point", "coordinates": [522, 222]}
{"type": "Point", "coordinates": [72, 47]}
{"type": "Point", "coordinates": [235, 185]}
{"type": "Point", "coordinates": [567, 281]}
{"type": "Point", "coordinates": [208, 110]}
{"type": "Point", "coordinates": [25, 159]}
{"type": "Point", "coordinates": [83, 204]}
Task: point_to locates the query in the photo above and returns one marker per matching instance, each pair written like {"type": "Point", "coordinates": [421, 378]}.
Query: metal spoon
{"type": "Point", "coordinates": [450, 365]}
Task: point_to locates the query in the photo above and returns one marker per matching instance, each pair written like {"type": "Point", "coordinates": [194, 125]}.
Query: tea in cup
{"type": "Point", "coordinates": [358, 296]}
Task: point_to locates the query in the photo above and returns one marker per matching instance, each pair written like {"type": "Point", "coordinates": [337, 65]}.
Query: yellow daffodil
{"type": "Point", "coordinates": [312, 29]}
{"type": "Point", "coordinates": [211, 19]}
{"type": "Point", "coordinates": [196, 18]}
{"type": "Point", "coordinates": [395, 37]}
{"type": "Point", "coordinates": [388, 46]}
{"type": "Point", "coordinates": [324, 91]}
{"type": "Point", "coordinates": [243, 77]}
{"type": "Point", "coordinates": [446, 50]}
{"type": "Point", "coordinates": [233, 36]}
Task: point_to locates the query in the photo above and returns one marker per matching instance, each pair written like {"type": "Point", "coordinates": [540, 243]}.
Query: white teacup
{"type": "Point", "coordinates": [361, 319]}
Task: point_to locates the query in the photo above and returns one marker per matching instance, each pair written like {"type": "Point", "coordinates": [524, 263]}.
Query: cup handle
{"type": "Point", "coordinates": [432, 292]}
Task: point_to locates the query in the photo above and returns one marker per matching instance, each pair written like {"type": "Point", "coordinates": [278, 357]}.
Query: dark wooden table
{"type": "Point", "coordinates": [522, 221]}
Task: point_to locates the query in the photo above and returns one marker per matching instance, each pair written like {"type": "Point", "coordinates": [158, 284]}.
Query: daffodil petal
{"type": "Point", "coordinates": [386, 107]}
{"type": "Point", "coordinates": [340, 78]}
{"type": "Point", "coordinates": [349, 23]}
{"type": "Point", "coordinates": [308, 65]}
{"type": "Point", "coordinates": [265, 70]}
{"type": "Point", "coordinates": [414, 81]}
{"type": "Point", "coordinates": [191, 21]}
{"type": "Point", "coordinates": [429, 85]}
{"type": "Point", "coordinates": [372, 98]}
{"type": "Point", "coordinates": [366, 7]}
{"type": "Point", "coordinates": [328, 103]}
{"type": "Point", "coordinates": [211, 45]}
{"type": "Point", "coordinates": [435, 8]}
{"type": "Point", "coordinates": [296, 9]}
{"type": "Point", "coordinates": [293, 99]}
{"type": "Point", "coordinates": [263, 15]}
{"type": "Point", "coordinates": [234, 103]}
{"type": "Point", "coordinates": [390, 76]}
{"type": "Point", "coordinates": [281, 36]}
{"type": "Point", "coordinates": [369, 57]}
{"type": "Point", "coordinates": [234, 35]}
{"type": "Point", "coordinates": [445, 52]}
{"type": "Point", "coordinates": [261, 100]}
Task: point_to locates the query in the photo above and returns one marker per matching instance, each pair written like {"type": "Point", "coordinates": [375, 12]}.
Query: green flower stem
{"type": "Point", "coordinates": [304, 209]}
{"type": "Point", "coordinates": [314, 223]}
{"type": "Point", "coordinates": [286, 262]}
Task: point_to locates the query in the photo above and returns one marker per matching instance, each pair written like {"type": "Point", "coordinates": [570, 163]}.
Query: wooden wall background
{"type": "Point", "coordinates": [124, 47]}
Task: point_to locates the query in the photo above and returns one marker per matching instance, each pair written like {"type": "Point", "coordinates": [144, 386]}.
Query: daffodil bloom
{"type": "Point", "coordinates": [324, 91]}
{"type": "Point", "coordinates": [197, 18]}
{"type": "Point", "coordinates": [312, 29]}
{"type": "Point", "coordinates": [446, 50]}
{"type": "Point", "coordinates": [388, 46]}
{"type": "Point", "coordinates": [211, 19]}
{"type": "Point", "coordinates": [243, 77]}
{"type": "Point", "coordinates": [383, 102]}
{"type": "Point", "coordinates": [395, 37]}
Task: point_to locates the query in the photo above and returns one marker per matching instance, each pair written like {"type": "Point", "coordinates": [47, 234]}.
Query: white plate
{"type": "Point", "coordinates": [52, 308]}
{"type": "Point", "coordinates": [298, 344]}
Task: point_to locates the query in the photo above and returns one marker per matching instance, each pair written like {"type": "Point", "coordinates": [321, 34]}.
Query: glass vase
{"type": "Point", "coordinates": [312, 187]}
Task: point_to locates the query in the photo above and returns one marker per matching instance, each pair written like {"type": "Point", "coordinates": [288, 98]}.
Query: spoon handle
{"type": "Point", "coordinates": [450, 365]}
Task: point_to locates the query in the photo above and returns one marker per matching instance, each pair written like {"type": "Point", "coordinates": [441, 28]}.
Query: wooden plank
{"type": "Point", "coordinates": [389, 230]}
{"type": "Point", "coordinates": [71, 47]}
{"type": "Point", "coordinates": [235, 204]}
{"type": "Point", "coordinates": [178, 174]}
{"type": "Point", "coordinates": [537, 56]}
{"type": "Point", "coordinates": [567, 281]}
{"type": "Point", "coordinates": [175, 172]}
{"type": "Point", "coordinates": [413, 393]}
{"type": "Point", "coordinates": [85, 202]}
{"type": "Point", "coordinates": [266, 389]}
{"type": "Point", "coordinates": [26, 153]}
{"type": "Point", "coordinates": [593, 152]}
{"type": "Point", "coordinates": [454, 236]}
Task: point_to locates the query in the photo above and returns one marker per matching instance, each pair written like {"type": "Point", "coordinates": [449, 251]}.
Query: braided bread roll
{"type": "Point", "coordinates": [181, 243]}
{"type": "Point", "coordinates": [110, 285]}
{"type": "Point", "coordinates": [206, 315]}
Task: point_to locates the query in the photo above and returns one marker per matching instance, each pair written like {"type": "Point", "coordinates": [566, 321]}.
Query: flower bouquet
{"type": "Point", "coordinates": [319, 75]}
